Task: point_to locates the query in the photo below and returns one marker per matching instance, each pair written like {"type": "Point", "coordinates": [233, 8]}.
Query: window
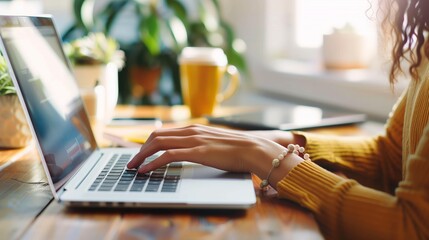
{"type": "Point", "coordinates": [284, 39]}
{"type": "Point", "coordinates": [304, 22]}
{"type": "Point", "coordinates": [314, 18]}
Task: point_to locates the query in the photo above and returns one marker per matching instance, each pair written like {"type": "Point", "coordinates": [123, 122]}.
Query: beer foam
{"type": "Point", "coordinates": [203, 55]}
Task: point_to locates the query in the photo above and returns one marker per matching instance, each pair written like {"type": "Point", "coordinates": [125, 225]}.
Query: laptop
{"type": "Point", "coordinates": [288, 117]}
{"type": "Point", "coordinates": [79, 172]}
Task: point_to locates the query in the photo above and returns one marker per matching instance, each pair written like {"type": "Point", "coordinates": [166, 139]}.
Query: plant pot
{"type": "Point", "coordinates": [144, 81]}
{"type": "Point", "coordinates": [88, 76]}
{"type": "Point", "coordinates": [15, 132]}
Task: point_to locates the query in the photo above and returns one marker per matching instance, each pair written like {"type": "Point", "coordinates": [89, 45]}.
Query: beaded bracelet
{"type": "Point", "coordinates": [291, 148]}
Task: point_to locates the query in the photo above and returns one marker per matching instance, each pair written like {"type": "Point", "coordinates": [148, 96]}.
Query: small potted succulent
{"type": "Point", "coordinates": [94, 49]}
{"type": "Point", "coordinates": [96, 60]}
{"type": "Point", "coordinates": [14, 129]}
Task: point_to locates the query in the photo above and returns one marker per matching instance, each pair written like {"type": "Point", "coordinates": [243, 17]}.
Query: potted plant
{"type": "Point", "coordinates": [164, 28]}
{"type": "Point", "coordinates": [14, 129]}
{"type": "Point", "coordinates": [96, 60]}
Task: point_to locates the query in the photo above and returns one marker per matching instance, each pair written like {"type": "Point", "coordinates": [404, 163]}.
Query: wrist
{"type": "Point", "coordinates": [299, 139]}
{"type": "Point", "coordinates": [289, 158]}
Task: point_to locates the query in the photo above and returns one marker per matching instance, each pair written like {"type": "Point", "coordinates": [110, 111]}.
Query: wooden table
{"type": "Point", "coordinates": [28, 211]}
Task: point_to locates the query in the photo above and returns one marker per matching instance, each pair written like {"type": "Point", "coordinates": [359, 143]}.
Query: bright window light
{"type": "Point", "coordinates": [313, 18]}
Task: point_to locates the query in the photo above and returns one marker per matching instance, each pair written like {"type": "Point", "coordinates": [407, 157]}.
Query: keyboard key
{"type": "Point", "coordinates": [115, 176]}
{"type": "Point", "coordinates": [171, 183]}
{"type": "Point", "coordinates": [136, 187]}
{"type": "Point", "coordinates": [152, 188]}
{"type": "Point", "coordinates": [121, 188]}
{"type": "Point", "coordinates": [172, 177]}
{"type": "Point", "coordinates": [105, 189]}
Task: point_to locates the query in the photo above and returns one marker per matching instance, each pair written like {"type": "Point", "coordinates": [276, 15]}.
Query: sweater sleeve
{"type": "Point", "coordinates": [346, 209]}
{"type": "Point", "coordinates": [373, 161]}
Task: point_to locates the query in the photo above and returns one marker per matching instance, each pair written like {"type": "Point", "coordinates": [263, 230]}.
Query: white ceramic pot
{"type": "Point", "coordinates": [14, 130]}
{"type": "Point", "coordinates": [87, 76]}
{"type": "Point", "coordinates": [110, 83]}
{"type": "Point", "coordinates": [346, 51]}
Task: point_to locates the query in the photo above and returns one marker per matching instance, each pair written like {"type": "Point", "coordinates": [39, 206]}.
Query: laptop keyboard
{"type": "Point", "coordinates": [114, 177]}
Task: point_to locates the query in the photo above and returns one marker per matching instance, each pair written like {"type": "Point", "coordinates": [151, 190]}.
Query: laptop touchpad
{"type": "Point", "coordinates": [203, 172]}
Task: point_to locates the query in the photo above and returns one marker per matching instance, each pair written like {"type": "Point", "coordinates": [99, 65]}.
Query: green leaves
{"type": "Point", "coordinates": [178, 24]}
{"type": "Point", "coordinates": [209, 15]}
{"type": "Point", "coordinates": [179, 10]}
{"type": "Point", "coordinates": [81, 11]}
{"type": "Point", "coordinates": [163, 25]}
{"type": "Point", "coordinates": [111, 12]}
{"type": "Point", "coordinates": [178, 32]}
{"type": "Point", "coordinates": [6, 85]}
{"type": "Point", "coordinates": [149, 33]}
{"type": "Point", "coordinates": [211, 30]}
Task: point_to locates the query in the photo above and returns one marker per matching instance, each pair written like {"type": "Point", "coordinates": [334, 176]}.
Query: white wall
{"type": "Point", "coordinates": [61, 10]}
{"type": "Point", "coordinates": [248, 19]}
{"type": "Point", "coordinates": [21, 7]}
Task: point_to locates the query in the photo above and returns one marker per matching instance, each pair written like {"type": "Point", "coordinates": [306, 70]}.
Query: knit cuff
{"type": "Point", "coordinates": [318, 145]}
{"type": "Point", "coordinates": [318, 190]}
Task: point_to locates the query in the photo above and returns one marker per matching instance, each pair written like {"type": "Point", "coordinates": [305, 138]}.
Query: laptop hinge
{"type": "Point", "coordinates": [60, 193]}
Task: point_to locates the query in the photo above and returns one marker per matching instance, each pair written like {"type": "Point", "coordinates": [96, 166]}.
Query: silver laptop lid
{"type": "Point", "coordinates": [50, 97]}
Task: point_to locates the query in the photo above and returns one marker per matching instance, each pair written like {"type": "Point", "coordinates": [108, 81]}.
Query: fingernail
{"type": "Point", "coordinates": [142, 169]}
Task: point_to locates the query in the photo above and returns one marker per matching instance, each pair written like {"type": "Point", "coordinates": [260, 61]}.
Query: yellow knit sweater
{"type": "Point", "coordinates": [389, 196]}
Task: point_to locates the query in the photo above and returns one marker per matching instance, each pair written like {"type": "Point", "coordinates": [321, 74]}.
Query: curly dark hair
{"type": "Point", "coordinates": [407, 21]}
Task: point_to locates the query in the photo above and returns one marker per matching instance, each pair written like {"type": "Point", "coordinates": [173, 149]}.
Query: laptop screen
{"type": "Point", "coordinates": [50, 93]}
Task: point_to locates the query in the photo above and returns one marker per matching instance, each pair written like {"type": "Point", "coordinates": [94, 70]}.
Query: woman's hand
{"type": "Point", "coordinates": [228, 150]}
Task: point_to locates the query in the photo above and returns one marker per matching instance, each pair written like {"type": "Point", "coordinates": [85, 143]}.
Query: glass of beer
{"type": "Point", "coordinates": [203, 71]}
